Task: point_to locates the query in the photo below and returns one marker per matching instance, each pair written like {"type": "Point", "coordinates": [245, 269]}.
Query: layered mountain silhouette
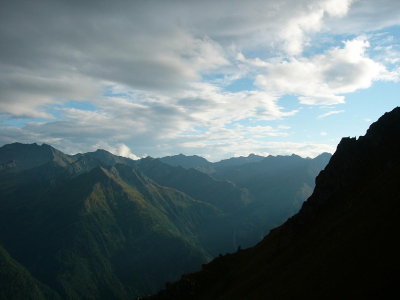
{"type": "Point", "coordinates": [272, 187]}
{"type": "Point", "coordinates": [100, 226]}
{"type": "Point", "coordinates": [341, 245]}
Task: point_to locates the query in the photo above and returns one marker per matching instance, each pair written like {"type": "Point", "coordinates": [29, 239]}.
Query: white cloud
{"type": "Point", "coordinates": [150, 123]}
{"type": "Point", "coordinates": [123, 150]}
{"type": "Point", "coordinates": [52, 52]}
{"type": "Point", "coordinates": [323, 78]}
{"type": "Point", "coordinates": [321, 99]}
{"type": "Point", "coordinates": [210, 105]}
{"type": "Point", "coordinates": [294, 35]}
{"type": "Point", "coordinates": [155, 71]}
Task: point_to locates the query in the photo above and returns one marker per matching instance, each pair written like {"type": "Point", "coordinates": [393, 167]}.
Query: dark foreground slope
{"type": "Point", "coordinates": [343, 244]}
{"type": "Point", "coordinates": [17, 283]}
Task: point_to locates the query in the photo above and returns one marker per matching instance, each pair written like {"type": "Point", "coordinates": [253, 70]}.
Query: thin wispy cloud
{"type": "Point", "coordinates": [330, 113]}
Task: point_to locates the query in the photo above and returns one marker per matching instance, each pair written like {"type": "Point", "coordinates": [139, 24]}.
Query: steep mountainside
{"type": "Point", "coordinates": [17, 283]}
{"type": "Point", "coordinates": [220, 193]}
{"type": "Point", "coordinates": [225, 196]}
{"type": "Point", "coordinates": [341, 245]}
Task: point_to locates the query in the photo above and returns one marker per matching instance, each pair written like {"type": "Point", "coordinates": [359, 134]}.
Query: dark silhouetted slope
{"type": "Point", "coordinates": [17, 283]}
{"type": "Point", "coordinates": [341, 245]}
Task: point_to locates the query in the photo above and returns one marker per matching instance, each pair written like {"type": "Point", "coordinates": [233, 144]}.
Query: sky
{"type": "Point", "coordinates": [212, 78]}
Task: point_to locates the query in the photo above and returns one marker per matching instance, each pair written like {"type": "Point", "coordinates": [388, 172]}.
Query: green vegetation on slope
{"type": "Point", "coordinates": [94, 226]}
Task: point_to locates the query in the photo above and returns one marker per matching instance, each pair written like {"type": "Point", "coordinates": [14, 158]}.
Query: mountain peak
{"type": "Point", "coordinates": [388, 126]}
{"type": "Point", "coordinates": [26, 156]}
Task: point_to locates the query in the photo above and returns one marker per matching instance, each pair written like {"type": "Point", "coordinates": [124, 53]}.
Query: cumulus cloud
{"type": "Point", "coordinates": [295, 33]}
{"type": "Point", "coordinates": [324, 78]}
{"type": "Point", "coordinates": [123, 150]}
{"type": "Point", "coordinates": [152, 124]}
{"type": "Point", "coordinates": [55, 50]}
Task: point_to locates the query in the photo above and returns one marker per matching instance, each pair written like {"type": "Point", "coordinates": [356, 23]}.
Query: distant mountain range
{"type": "Point", "coordinates": [343, 243]}
{"type": "Point", "coordinates": [201, 164]}
{"type": "Point", "coordinates": [100, 226]}
{"type": "Point", "coordinates": [272, 187]}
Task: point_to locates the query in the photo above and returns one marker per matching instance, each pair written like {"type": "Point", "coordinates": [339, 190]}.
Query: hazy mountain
{"type": "Point", "coordinates": [188, 162]}
{"type": "Point", "coordinates": [277, 187]}
{"type": "Point", "coordinates": [221, 193]}
{"type": "Point", "coordinates": [237, 161]}
{"type": "Point", "coordinates": [255, 197]}
{"type": "Point", "coordinates": [272, 188]}
{"type": "Point", "coordinates": [201, 164]}
{"type": "Point", "coordinates": [341, 245]}
{"type": "Point", "coordinates": [226, 196]}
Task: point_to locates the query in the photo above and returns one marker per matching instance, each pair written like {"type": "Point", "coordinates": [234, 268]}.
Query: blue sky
{"type": "Point", "coordinates": [212, 78]}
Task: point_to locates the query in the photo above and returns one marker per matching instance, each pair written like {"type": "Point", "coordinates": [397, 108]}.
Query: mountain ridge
{"type": "Point", "coordinates": [96, 225]}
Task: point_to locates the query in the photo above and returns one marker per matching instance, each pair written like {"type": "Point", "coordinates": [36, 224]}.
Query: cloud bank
{"type": "Point", "coordinates": [158, 77]}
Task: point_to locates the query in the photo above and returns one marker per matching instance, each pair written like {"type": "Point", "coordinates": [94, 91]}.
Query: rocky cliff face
{"type": "Point", "coordinates": [343, 244]}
